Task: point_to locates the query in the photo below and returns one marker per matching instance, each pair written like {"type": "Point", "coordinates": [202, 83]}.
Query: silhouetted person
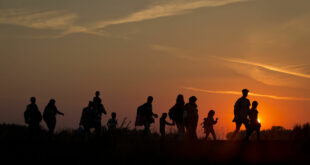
{"type": "Point", "coordinates": [98, 110]}
{"type": "Point", "coordinates": [145, 115]}
{"type": "Point", "coordinates": [191, 118]}
{"type": "Point", "coordinates": [112, 123]}
{"type": "Point", "coordinates": [163, 124]}
{"type": "Point", "coordinates": [97, 100]}
{"type": "Point", "coordinates": [176, 114]}
{"type": "Point", "coordinates": [87, 118]}
{"type": "Point", "coordinates": [49, 115]}
{"type": "Point", "coordinates": [241, 110]}
{"type": "Point", "coordinates": [254, 123]}
{"type": "Point", "coordinates": [208, 124]}
{"type": "Point", "coordinates": [33, 117]}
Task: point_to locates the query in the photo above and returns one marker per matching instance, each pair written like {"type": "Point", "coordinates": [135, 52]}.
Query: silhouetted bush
{"type": "Point", "coordinates": [299, 132]}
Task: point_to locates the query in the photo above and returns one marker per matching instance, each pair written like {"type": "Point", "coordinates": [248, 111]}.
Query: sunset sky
{"type": "Point", "coordinates": [130, 49]}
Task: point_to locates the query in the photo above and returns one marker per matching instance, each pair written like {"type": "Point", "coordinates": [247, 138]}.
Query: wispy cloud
{"type": "Point", "coordinates": [284, 70]}
{"type": "Point", "coordinates": [251, 94]}
{"type": "Point", "coordinates": [168, 9]}
{"type": "Point", "coordinates": [55, 20]}
{"type": "Point", "coordinates": [66, 22]}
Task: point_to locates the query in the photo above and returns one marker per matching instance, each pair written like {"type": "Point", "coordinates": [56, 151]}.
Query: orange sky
{"type": "Point", "coordinates": [212, 49]}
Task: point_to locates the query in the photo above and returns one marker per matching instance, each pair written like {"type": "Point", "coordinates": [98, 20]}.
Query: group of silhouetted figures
{"type": "Point", "coordinates": [184, 116]}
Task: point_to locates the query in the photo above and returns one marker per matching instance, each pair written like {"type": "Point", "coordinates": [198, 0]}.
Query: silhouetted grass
{"type": "Point", "coordinates": [125, 146]}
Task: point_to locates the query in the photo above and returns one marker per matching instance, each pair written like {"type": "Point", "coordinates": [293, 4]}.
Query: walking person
{"type": "Point", "coordinates": [163, 124]}
{"type": "Point", "coordinates": [49, 116]}
{"type": "Point", "coordinates": [191, 118]}
{"type": "Point", "coordinates": [98, 109]}
{"type": "Point", "coordinates": [145, 115]}
{"type": "Point", "coordinates": [33, 117]}
{"type": "Point", "coordinates": [254, 124]}
{"type": "Point", "coordinates": [241, 111]}
{"type": "Point", "coordinates": [176, 114]}
{"type": "Point", "coordinates": [208, 124]}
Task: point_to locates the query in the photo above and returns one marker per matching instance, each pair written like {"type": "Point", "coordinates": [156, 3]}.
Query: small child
{"type": "Point", "coordinates": [112, 123]}
{"type": "Point", "coordinates": [163, 124]}
{"type": "Point", "coordinates": [208, 124]}
{"type": "Point", "coordinates": [254, 123]}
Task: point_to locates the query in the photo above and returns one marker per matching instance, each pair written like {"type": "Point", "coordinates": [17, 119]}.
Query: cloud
{"type": "Point", "coordinates": [251, 94]}
{"type": "Point", "coordinates": [284, 70]}
{"type": "Point", "coordinates": [55, 20]}
{"type": "Point", "coordinates": [164, 10]}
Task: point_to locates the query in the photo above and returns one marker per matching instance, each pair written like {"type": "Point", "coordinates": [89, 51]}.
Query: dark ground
{"type": "Point", "coordinates": [131, 147]}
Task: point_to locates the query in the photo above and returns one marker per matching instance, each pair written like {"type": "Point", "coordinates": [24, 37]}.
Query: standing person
{"type": "Point", "coordinates": [112, 123]}
{"type": "Point", "coordinates": [241, 110]}
{"type": "Point", "coordinates": [87, 118]}
{"type": "Point", "coordinates": [33, 117]}
{"type": "Point", "coordinates": [208, 124]}
{"type": "Point", "coordinates": [145, 115]}
{"type": "Point", "coordinates": [49, 115]}
{"type": "Point", "coordinates": [98, 110]}
{"type": "Point", "coordinates": [97, 100]}
{"type": "Point", "coordinates": [163, 124]}
{"type": "Point", "coordinates": [254, 123]}
{"type": "Point", "coordinates": [176, 114]}
{"type": "Point", "coordinates": [191, 118]}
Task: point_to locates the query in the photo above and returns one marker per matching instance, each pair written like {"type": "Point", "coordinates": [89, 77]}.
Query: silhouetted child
{"type": "Point", "coordinates": [208, 124]}
{"type": "Point", "coordinates": [254, 123]}
{"type": "Point", "coordinates": [163, 124]}
{"type": "Point", "coordinates": [112, 123]}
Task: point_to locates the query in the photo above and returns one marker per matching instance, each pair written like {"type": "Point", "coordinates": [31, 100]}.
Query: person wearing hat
{"type": "Point", "coordinates": [241, 111]}
{"type": "Point", "coordinates": [191, 118]}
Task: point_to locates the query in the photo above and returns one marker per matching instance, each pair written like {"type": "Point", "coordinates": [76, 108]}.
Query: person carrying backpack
{"type": "Point", "coordinates": [176, 114]}
{"type": "Point", "coordinates": [145, 115]}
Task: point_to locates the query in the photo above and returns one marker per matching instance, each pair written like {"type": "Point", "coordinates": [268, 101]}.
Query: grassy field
{"type": "Point", "coordinates": [132, 147]}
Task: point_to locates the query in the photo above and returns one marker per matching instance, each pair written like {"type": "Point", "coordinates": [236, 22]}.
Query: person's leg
{"type": "Point", "coordinates": [146, 128]}
{"type": "Point", "coordinates": [258, 132]}
{"type": "Point", "coordinates": [207, 134]}
{"type": "Point", "coordinates": [98, 128]}
{"type": "Point", "coordinates": [213, 134]}
{"type": "Point", "coordinates": [195, 131]}
{"type": "Point", "coordinates": [179, 127]}
{"type": "Point", "coordinates": [249, 131]}
{"type": "Point", "coordinates": [238, 126]}
{"type": "Point", "coordinates": [163, 133]}
{"type": "Point", "coordinates": [51, 126]}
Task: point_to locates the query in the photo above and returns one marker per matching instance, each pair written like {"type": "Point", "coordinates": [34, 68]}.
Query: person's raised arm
{"type": "Point", "coordinates": [58, 112]}
{"type": "Point", "coordinates": [214, 122]}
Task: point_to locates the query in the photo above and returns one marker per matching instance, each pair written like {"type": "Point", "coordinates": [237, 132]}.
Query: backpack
{"type": "Point", "coordinates": [140, 116]}
{"type": "Point", "coordinates": [171, 113]}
